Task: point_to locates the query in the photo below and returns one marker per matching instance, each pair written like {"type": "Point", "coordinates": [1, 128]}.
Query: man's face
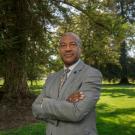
{"type": "Point", "coordinates": [69, 50]}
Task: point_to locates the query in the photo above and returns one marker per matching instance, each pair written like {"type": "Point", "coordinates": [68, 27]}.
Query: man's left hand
{"type": "Point", "coordinates": [76, 97]}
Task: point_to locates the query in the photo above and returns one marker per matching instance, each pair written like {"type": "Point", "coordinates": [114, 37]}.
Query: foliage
{"type": "Point", "coordinates": [34, 31]}
{"type": "Point", "coordinates": [125, 9]}
{"type": "Point", "coordinates": [30, 31]}
{"type": "Point", "coordinates": [131, 69]}
{"type": "Point", "coordinates": [25, 41]}
{"type": "Point", "coordinates": [102, 31]}
{"type": "Point", "coordinates": [107, 32]}
{"type": "Point", "coordinates": [111, 71]}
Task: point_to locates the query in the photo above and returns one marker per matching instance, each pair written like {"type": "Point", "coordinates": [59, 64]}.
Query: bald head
{"type": "Point", "coordinates": [76, 37]}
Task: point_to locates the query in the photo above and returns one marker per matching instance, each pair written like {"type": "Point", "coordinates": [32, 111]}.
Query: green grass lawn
{"type": "Point", "coordinates": [116, 110]}
{"type": "Point", "coordinates": [31, 129]}
{"type": "Point", "coordinates": [115, 113]}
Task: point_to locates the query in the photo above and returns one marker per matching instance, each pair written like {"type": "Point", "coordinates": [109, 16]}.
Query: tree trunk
{"type": "Point", "coordinates": [123, 62]}
{"type": "Point", "coordinates": [124, 81]}
{"type": "Point", "coordinates": [15, 79]}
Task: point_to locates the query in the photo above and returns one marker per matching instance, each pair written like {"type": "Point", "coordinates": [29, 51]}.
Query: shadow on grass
{"type": "Point", "coordinates": [112, 128]}
{"type": "Point", "coordinates": [118, 90]}
{"type": "Point", "coordinates": [111, 121]}
{"type": "Point", "coordinates": [106, 110]}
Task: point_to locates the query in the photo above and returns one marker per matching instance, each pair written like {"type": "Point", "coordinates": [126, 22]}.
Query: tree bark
{"type": "Point", "coordinates": [15, 79]}
{"type": "Point", "coordinates": [123, 62]}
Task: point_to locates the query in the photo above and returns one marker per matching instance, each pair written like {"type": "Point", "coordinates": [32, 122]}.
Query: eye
{"type": "Point", "coordinates": [62, 45]}
{"type": "Point", "coordinates": [72, 44]}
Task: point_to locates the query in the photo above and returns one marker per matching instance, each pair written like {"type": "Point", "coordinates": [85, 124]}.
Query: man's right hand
{"type": "Point", "coordinates": [76, 97]}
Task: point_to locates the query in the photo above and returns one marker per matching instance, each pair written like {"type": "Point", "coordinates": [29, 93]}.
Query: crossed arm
{"type": "Point", "coordinates": [74, 108]}
{"type": "Point", "coordinates": [40, 111]}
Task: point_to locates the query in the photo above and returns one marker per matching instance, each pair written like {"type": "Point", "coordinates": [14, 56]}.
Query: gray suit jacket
{"type": "Point", "coordinates": [62, 117]}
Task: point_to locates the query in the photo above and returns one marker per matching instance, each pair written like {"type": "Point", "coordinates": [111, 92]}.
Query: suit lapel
{"type": "Point", "coordinates": [71, 78]}
{"type": "Point", "coordinates": [56, 86]}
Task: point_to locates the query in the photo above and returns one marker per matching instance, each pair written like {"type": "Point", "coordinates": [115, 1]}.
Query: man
{"type": "Point", "coordinates": [68, 100]}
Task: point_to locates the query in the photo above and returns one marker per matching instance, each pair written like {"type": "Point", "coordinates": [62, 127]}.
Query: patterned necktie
{"type": "Point", "coordinates": [64, 77]}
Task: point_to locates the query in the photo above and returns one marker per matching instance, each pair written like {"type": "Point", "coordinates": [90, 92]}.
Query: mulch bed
{"type": "Point", "coordinates": [15, 115]}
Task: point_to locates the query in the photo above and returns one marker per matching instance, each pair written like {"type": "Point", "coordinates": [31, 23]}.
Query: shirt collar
{"type": "Point", "coordinates": [72, 66]}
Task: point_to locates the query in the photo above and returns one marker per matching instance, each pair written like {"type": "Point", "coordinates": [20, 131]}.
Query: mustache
{"type": "Point", "coordinates": [68, 53]}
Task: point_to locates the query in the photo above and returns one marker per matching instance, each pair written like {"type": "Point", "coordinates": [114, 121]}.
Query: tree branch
{"type": "Point", "coordinates": [83, 11]}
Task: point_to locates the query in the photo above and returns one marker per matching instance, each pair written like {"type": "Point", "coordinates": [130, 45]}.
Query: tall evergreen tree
{"type": "Point", "coordinates": [127, 11]}
{"type": "Point", "coordinates": [24, 40]}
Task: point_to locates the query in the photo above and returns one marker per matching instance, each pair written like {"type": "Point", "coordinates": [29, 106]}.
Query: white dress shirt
{"type": "Point", "coordinates": [71, 67]}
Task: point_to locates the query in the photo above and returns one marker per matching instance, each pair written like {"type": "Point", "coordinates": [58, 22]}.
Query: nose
{"type": "Point", "coordinates": [68, 47]}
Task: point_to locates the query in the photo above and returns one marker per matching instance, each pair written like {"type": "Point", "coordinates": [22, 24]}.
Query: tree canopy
{"type": "Point", "coordinates": [30, 31]}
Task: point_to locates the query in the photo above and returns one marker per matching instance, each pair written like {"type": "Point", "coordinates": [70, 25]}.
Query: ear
{"type": "Point", "coordinates": [80, 50]}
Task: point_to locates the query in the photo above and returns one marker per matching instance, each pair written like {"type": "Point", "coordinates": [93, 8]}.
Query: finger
{"type": "Point", "coordinates": [75, 99]}
{"type": "Point", "coordinates": [82, 96]}
{"type": "Point", "coordinates": [81, 92]}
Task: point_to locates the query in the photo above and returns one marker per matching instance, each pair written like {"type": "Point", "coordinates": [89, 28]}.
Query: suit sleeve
{"type": "Point", "coordinates": [73, 112]}
{"type": "Point", "coordinates": [37, 110]}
